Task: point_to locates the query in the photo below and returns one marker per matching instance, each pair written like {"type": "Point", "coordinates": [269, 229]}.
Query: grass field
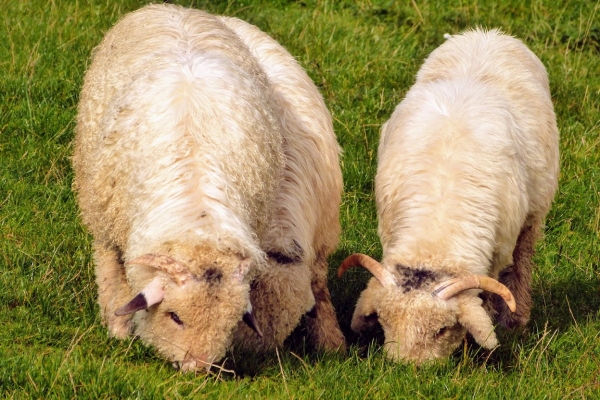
{"type": "Point", "coordinates": [363, 55]}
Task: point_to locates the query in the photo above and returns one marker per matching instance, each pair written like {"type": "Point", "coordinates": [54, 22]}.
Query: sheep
{"type": "Point", "coordinates": [207, 171]}
{"type": "Point", "coordinates": [467, 170]}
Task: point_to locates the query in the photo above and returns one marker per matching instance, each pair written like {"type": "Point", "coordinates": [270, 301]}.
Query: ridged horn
{"type": "Point", "coordinates": [452, 287]}
{"type": "Point", "coordinates": [249, 319]}
{"type": "Point", "coordinates": [374, 267]}
{"type": "Point", "coordinates": [176, 271]}
{"type": "Point", "coordinates": [242, 270]}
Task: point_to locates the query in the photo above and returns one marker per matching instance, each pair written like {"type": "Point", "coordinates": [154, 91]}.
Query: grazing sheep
{"type": "Point", "coordinates": [206, 168]}
{"type": "Point", "coordinates": [468, 167]}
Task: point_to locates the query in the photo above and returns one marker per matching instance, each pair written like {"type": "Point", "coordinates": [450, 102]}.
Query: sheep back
{"type": "Point", "coordinates": [215, 161]}
{"type": "Point", "coordinates": [475, 142]}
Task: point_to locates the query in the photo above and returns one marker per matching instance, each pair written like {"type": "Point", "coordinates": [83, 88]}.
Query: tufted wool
{"type": "Point", "coordinates": [202, 139]}
{"type": "Point", "coordinates": [467, 163]}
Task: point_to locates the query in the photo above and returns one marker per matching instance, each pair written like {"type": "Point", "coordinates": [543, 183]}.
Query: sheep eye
{"type": "Point", "coordinates": [441, 331]}
{"type": "Point", "coordinates": [371, 318]}
{"type": "Point", "coordinates": [175, 318]}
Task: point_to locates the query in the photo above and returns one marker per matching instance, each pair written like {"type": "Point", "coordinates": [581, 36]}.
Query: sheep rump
{"type": "Point", "coordinates": [201, 140]}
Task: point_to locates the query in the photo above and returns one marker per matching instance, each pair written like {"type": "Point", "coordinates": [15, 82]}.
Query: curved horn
{"type": "Point", "coordinates": [176, 271]}
{"type": "Point", "coordinates": [152, 294]}
{"type": "Point", "coordinates": [249, 319]}
{"type": "Point", "coordinates": [452, 287]}
{"type": "Point", "coordinates": [377, 269]}
{"type": "Point", "coordinates": [242, 269]}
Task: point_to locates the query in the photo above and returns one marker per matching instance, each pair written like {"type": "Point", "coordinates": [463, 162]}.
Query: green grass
{"type": "Point", "coordinates": [363, 56]}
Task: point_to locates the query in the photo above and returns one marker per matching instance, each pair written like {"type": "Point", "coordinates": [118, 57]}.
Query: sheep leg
{"type": "Point", "coordinates": [517, 277]}
{"type": "Point", "coordinates": [113, 290]}
{"type": "Point", "coordinates": [322, 323]}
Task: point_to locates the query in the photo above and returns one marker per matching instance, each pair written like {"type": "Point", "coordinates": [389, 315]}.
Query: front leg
{"type": "Point", "coordinates": [517, 277]}
{"type": "Point", "coordinates": [113, 290]}
{"type": "Point", "coordinates": [322, 323]}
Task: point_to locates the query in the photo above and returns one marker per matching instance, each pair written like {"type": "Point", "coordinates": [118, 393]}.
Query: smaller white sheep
{"type": "Point", "coordinates": [468, 167]}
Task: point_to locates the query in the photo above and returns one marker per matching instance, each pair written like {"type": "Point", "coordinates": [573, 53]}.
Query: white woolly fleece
{"type": "Point", "coordinates": [467, 156]}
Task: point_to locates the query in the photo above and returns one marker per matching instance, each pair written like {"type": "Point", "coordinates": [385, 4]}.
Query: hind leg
{"type": "Point", "coordinates": [113, 291]}
{"type": "Point", "coordinates": [322, 323]}
{"type": "Point", "coordinates": [517, 277]}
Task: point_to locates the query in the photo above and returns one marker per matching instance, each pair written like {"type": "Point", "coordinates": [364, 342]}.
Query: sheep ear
{"type": "Point", "coordinates": [362, 322]}
{"type": "Point", "coordinates": [152, 294]}
{"type": "Point", "coordinates": [365, 315]}
{"type": "Point", "coordinates": [176, 271]}
{"type": "Point", "coordinates": [478, 323]}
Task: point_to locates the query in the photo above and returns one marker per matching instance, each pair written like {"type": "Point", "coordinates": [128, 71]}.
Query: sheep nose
{"type": "Point", "coordinates": [191, 363]}
{"type": "Point", "coordinates": [188, 366]}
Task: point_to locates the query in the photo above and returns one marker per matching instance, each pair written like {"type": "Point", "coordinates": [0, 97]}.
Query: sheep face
{"type": "Point", "coordinates": [420, 327]}
{"type": "Point", "coordinates": [188, 312]}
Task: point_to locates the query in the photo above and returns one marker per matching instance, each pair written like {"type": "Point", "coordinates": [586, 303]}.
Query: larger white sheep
{"type": "Point", "coordinates": [468, 167]}
{"type": "Point", "coordinates": [206, 168]}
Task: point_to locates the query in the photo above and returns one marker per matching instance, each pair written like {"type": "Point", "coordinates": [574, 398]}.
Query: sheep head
{"type": "Point", "coordinates": [422, 318]}
{"type": "Point", "coordinates": [189, 316]}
